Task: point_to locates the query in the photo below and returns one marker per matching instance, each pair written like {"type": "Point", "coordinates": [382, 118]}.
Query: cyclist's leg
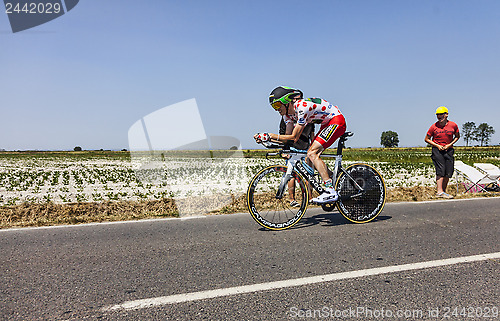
{"type": "Point", "coordinates": [329, 194]}
{"type": "Point", "coordinates": [313, 155]}
{"type": "Point", "coordinates": [325, 137]}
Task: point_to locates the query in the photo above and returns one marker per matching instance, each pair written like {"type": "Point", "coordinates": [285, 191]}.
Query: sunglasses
{"type": "Point", "coordinates": [277, 105]}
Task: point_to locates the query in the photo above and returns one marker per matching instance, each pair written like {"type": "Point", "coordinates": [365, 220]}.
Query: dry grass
{"type": "Point", "coordinates": [45, 214]}
{"type": "Point", "coordinates": [426, 193]}
{"type": "Point", "coordinates": [24, 215]}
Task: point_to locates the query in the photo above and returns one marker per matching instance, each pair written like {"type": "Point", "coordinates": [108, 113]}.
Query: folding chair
{"type": "Point", "coordinates": [490, 169]}
{"type": "Point", "coordinates": [477, 179]}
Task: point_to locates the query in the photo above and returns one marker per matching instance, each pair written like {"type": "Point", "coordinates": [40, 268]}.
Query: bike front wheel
{"type": "Point", "coordinates": [360, 205]}
{"type": "Point", "coordinates": [269, 207]}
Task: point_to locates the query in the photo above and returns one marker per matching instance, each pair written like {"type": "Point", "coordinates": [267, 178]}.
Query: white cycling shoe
{"type": "Point", "coordinates": [329, 196]}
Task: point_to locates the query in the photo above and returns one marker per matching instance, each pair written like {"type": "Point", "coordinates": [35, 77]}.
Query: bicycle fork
{"type": "Point", "coordinates": [286, 178]}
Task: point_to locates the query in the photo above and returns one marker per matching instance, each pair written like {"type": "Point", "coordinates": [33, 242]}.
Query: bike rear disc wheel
{"type": "Point", "coordinates": [269, 211]}
{"type": "Point", "coordinates": [368, 205]}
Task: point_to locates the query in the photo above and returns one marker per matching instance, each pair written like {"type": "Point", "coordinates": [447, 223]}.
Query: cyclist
{"type": "Point", "coordinates": [288, 102]}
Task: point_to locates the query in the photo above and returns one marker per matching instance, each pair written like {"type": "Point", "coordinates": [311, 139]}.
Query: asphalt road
{"type": "Point", "coordinates": [79, 272]}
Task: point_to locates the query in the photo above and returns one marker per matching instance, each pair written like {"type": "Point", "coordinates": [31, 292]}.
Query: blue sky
{"type": "Point", "coordinates": [85, 78]}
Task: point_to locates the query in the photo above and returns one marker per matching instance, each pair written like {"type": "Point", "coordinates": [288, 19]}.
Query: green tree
{"type": "Point", "coordinates": [468, 132]}
{"type": "Point", "coordinates": [389, 139]}
{"type": "Point", "coordinates": [483, 133]}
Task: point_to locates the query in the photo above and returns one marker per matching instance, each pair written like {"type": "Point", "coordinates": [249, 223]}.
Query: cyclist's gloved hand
{"type": "Point", "coordinates": [262, 137]}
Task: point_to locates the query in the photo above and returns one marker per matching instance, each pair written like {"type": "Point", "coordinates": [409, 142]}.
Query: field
{"type": "Point", "coordinates": [41, 188]}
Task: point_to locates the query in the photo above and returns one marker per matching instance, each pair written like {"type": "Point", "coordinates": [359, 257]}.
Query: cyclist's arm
{"type": "Point", "coordinates": [297, 130]}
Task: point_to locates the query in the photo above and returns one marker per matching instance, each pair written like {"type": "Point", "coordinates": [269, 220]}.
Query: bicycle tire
{"type": "Point", "coordinates": [266, 209]}
{"type": "Point", "coordinates": [367, 206]}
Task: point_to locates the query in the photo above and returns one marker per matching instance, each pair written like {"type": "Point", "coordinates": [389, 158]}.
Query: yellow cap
{"type": "Point", "coordinates": [441, 110]}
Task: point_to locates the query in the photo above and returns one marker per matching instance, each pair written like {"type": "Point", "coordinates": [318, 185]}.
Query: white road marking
{"type": "Point", "coordinates": [141, 221]}
{"type": "Point", "coordinates": [210, 294]}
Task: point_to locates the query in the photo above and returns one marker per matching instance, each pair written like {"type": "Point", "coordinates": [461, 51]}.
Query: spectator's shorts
{"type": "Point", "coordinates": [444, 161]}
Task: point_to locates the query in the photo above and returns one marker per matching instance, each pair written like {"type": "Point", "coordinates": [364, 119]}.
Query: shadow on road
{"type": "Point", "coordinates": [331, 219]}
{"type": "Point", "coordinates": [327, 219]}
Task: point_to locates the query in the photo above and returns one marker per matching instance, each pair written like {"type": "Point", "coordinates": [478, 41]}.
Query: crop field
{"type": "Point", "coordinates": [198, 184]}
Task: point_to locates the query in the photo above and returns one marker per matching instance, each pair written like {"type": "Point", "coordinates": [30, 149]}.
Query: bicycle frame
{"type": "Point", "coordinates": [295, 164]}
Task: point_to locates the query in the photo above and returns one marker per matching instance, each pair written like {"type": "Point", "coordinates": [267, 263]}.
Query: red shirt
{"type": "Point", "coordinates": [443, 135]}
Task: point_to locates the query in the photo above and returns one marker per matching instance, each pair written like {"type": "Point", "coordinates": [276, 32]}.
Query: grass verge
{"type": "Point", "coordinates": [48, 214]}
{"type": "Point", "coordinates": [45, 214]}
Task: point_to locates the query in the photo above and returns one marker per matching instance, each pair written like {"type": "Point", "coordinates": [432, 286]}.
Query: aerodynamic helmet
{"type": "Point", "coordinates": [283, 95]}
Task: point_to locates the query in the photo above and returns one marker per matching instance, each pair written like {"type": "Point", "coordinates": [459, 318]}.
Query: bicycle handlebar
{"type": "Point", "coordinates": [274, 145]}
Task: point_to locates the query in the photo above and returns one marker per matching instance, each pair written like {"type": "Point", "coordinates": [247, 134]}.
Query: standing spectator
{"type": "Point", "coordinates": [441, 136]}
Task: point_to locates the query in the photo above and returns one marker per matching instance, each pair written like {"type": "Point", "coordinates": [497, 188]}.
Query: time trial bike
{"type": "Point", "coordinates": [361, 189]}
